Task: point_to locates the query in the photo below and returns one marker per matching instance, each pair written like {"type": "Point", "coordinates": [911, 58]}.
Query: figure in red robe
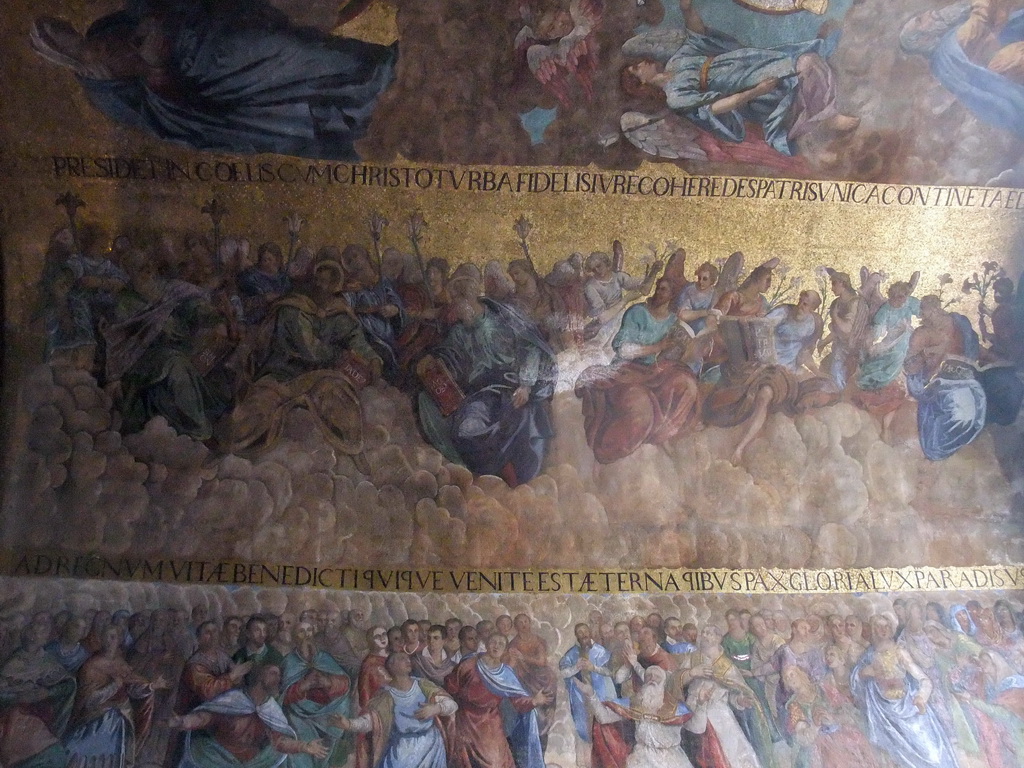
{"type": "Point", "coordinates": [649, 393]}
{"type": "Point", "coordinates": [480, 684]}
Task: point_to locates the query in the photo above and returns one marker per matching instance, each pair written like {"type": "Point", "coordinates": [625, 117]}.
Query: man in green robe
{"type": "Point", "coordinates": [243, 729]}
{"type": "Point", "coordinates": [162, 330]}
{"type": "Point", "coordinates": [315, 691]}
{"type": "Point", "coordinates": [312, 354]}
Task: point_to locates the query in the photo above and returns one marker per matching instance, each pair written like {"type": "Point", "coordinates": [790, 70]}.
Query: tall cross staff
{"type": "Point", "coordinates": [216, 211]}
{"type": "Point", "coordinates": [522, 228]}
{"type": "Point", "coordinates": [414, 228]}
{"type": "Point", "coordinates": [71, 202]}
{"type": "Point", "coordinates": [295, 223]}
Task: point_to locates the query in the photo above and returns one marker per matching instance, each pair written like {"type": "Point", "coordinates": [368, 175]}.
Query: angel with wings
{"type": "Point", "coordinates": [848, 316]}
{"type": "Point", "coordinates": [559, 45]}
{"type": "Point", "coordinates": [711, 85]}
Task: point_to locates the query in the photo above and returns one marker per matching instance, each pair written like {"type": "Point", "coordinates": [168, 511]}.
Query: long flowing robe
{"type": "Point", "coordinates": [489, 360]}
{"type": "Point", "coordinates": [400, 740]}
{"type": "Point", "coordinates": [632, 402]}
{"type": "Point", "coordinates": [369, 682]}
{"type": "Point", "coordinates": [733, 399]}
{"type": "Point", "coordinates": [300, 367]}
{"type": "Point", "coordinates": [234, 732]}
{"type": "Point", "coordinates": [843, 358]}
{"type": "Point", "coordinates": [891, 329]}
{"type": "Point", "coordinates": [911, 738]}
{"type": "Point", "coordinates": [602, 684]}
{"type": "Point", "coordinates": [947, 708]}
{"type": "Point", "coordinates": [793, 335]}
{"type": "Point", "coordinates": [601, 296]}
{"type": "Point", "coordinates": [721, 741]}
{"type": "Point", "coordinates": [820, 741]}
{"type": "Point", "coordinates": [310, 712]}
{"type": "Point", "coordinates": [990, 95]}
{"type": "Point", "coordinates": [383, 333]}
{"type": "Point", "coordinates": [657, 734]}
{"type": "Point", "coordinates": [149, 348]}
{"type": "Point", "coordinates": [480, 737]}
{"type": "Point", "coordinates": [534, 672]}
{"type": "Point", "coordinates": [710, 66]}
{"type": "Point", "coordinates": [112, 718]}
{"type": "Point", "coordinates": [722, 729]}
{"type": "Point", "coordinates": [740, 652]}
{"type": "Point", "coordinates": [609, 742]}
{"type": "Point", "coordinates": [255, 286]}
{"type": "Point", "coordinates": [88, 306]}
{"type": "Point", "coordinates": [951, 402]}
{"type": "Point", "coordinates": [240, 78]}
{"type": "Point", "coordinates": [762, 654]}
{"type": "Point", "coordinates": [204, 678]}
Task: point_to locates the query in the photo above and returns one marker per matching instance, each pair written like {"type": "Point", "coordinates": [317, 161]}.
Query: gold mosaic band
{"type": "Point", "coordinates": [538, 581]}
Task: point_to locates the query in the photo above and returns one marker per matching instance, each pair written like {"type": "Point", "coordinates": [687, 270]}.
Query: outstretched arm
{"type": "Point", "coordinates": [691, 18]}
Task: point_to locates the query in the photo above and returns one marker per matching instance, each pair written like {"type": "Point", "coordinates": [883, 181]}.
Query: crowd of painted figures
{"type": "Point", "coordinates": [923, 685]}
{"type": "Point", "coordinates": [223, 343]}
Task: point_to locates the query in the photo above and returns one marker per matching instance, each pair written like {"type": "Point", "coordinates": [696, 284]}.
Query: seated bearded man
{"type": "Point", "coordinates": [312, 354]}
{"type": "Point", "coordinates": [500, 374]}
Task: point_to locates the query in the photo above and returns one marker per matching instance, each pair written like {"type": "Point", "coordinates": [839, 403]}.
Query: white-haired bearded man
{"type": "Point", "coordinates": [659, 716]}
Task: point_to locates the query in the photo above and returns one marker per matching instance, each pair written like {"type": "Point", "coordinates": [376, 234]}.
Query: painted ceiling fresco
{"type": "Point", "coordinates": [596, 382]}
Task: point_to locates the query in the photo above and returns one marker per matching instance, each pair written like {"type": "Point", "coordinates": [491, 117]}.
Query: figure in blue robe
{"type": "Point", "coordinates": [988, 93]}
{"type": "Point", "coordinates": [521, 728]}
{"type": "Point", "coordinates": [599, 678]}
{"type": "Point", "coordinates": [259, 290]}
{"type": "Point", "coordinates": [381, 331]}
{"type": "Point", "coordinates": [711, 66]}
{"type": "Point", "coordinates": [225, 76]}
{"type": "Point", "coordinates": [890, 328]}
{"type": "Point", "coordinates": [912, 737]}
{"type": "Point", "coordinates": [496, 358]}
{"type": "Point", "coordinates": [951, 403]}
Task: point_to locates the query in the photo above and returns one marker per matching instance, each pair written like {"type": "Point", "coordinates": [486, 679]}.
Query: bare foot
{"type": "Point", "coordinates": [843, 123]}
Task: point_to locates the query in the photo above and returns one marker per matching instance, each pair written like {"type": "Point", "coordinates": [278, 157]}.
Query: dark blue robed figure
{"type": "Point", "coordinates": [237, 76]}
{"type": "Point", "coordinates": [507, 372]}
